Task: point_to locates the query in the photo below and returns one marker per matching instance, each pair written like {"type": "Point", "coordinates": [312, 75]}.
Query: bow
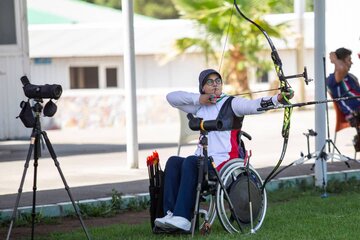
{"type": "Point", "coordinates": [284, 87]}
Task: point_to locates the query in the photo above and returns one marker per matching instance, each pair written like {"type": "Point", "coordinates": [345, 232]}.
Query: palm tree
{"type": "Point", "coordinates": [221, 24]}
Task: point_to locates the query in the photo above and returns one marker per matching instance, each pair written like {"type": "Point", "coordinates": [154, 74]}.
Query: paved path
{"type": "Point", "coordinates": [94, 160]}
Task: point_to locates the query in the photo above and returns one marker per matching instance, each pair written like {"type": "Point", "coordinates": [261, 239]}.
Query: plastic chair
{"type": "Point", "coordinates": [186, 134]}
{"type": "Point", "coordinates": [341, 123]}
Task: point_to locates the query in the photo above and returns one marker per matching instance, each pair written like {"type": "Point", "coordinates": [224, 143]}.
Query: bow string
{"type": "Point", "coordinates": [284, 88]}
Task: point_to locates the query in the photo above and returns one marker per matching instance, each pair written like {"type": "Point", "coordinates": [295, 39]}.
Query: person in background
{"type": "Point", "coordinates": [341, 83]}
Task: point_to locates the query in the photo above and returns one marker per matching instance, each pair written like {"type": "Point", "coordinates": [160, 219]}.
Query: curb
{"type": "Point", "coordinates": [66, 208]}
{"type": "Point", "coordinates": [287, 182]}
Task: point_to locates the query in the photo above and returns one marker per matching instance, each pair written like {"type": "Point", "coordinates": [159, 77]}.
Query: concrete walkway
{"type": "Point", "coordinates": [93, 161]}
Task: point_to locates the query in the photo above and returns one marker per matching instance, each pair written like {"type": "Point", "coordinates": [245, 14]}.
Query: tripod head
{"type": "Point", "coordinates": [311, 132]}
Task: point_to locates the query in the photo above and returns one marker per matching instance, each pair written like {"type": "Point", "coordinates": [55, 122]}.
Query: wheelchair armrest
{"type": "Point", "coordinates": [245, 134]}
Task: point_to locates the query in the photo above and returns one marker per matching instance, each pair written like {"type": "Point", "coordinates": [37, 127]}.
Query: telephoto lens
{"type": "Point", "coordinates": [41, 91]}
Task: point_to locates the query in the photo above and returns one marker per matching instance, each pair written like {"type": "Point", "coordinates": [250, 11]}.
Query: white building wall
{"type": "Point", "coordinates": [11, 94]}
{"type": "Point", "coordinates": [150, 72]}
{"type": "Point", "coordinates": [182, 72]}
{"type": "Point", "coordinates": [55, 72]}
{"type": "Point", "coordinates": [14, 63]}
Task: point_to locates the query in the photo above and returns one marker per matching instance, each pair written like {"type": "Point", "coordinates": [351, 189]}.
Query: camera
{"type": "Point", "coordinates": [38, 92]}
{"type": "Point", "coordinates": [41, 91]}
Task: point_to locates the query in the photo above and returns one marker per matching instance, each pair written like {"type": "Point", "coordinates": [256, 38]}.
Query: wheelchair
{"type": "Point", "coordinates": [239, 183]}
{"type": "Point", "coordinates": [235, 194]}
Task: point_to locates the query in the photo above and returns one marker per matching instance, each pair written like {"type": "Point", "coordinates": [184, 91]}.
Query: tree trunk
{"type": "Point", "coordinates": [235, 77]}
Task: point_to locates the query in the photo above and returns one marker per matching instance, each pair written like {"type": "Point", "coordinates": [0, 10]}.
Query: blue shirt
{"type": "Point", "coordinates": [348, 87]}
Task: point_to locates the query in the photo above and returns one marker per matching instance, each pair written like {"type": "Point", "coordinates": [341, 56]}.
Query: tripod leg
{"type": "Point", "coordinates": [57, 164]}
{"type": "Point", "coordinates": [37, 154]}
{"type": "Point", "coordinates": [322, 156]}
{"type": "Point", "coordinates": [247, 164]}
{"type": "Point", "coordinates": [198, 191]}
{"type": "Point", "coordinates": [325, 195]}
{"type": "Point", "coordinates": [231, 206]}
{"type": "Point", "coordinates": [26, 166]}
{"type": "Point", "coordinates": [338, 151]}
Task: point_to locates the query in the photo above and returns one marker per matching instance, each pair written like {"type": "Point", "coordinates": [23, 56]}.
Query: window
{"type": "Point", "coordinates": [111, 77]}
{"type": "Point", "coordinates": [84, 77]}
{"type": "Point", "coordinates": [7, 22]}
{"type": "Point", "coordinates": [262, 76]}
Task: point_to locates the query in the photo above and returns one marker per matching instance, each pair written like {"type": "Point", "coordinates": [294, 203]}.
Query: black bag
{"type": "Point", "coordinates": [26, 115]}
{"type": "Point", "coordinates": [156, 198]}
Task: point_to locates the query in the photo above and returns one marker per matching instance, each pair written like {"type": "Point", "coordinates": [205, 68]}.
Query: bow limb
{"type": "Point", "coordinates": [285, 134]}
{"type": "Point", "coordinates": [274, 53]}
{"type": "Point", "coordinates": [284, 86]}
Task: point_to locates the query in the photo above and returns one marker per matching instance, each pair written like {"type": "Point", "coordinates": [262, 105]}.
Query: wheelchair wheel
{"type": "Point", "coordinates": [237, 182]}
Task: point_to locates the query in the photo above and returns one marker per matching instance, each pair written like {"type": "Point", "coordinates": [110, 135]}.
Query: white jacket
{"type": "Point", "coordinates": [218, 141]}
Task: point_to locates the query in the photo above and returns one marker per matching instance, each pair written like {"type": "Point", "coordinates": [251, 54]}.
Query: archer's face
{"type": "Point", "coordinates": [213, 85]}
{"type": "Point", "coordinates": [348, 61]}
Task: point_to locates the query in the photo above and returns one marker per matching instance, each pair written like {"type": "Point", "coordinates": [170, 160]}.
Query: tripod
{"type": "Point", "coordinates": [329, 142]}
{"type": "Point", "coordinates": [324, 156]}
{"type": "Point", "coordinates": [317, 154]}
{"type": "Point", "coordinates": [203, 174]}
{"type": "Point", "coordinates": [36, 135]}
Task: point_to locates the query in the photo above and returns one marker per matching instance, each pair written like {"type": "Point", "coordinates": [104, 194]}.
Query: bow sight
{"type": "Point", "coordinates": [303, 75]}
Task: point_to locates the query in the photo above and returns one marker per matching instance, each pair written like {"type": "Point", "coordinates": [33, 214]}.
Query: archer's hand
{"type": "Point", "coordinates": [208, 99]}
{"type": "Point", "coordinates": [332, 57]}
{"type": "Point", "coordinates": [283, 97]}
{"type": "Point", "coordinates": [341, 67]}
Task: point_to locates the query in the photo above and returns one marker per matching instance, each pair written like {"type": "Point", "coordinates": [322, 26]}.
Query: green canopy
{"type": "Point", "coordinates": [40, 17]}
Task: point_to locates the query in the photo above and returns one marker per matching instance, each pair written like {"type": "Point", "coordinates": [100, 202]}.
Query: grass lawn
{"type": "Point", "coordinates": [291, 214]}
